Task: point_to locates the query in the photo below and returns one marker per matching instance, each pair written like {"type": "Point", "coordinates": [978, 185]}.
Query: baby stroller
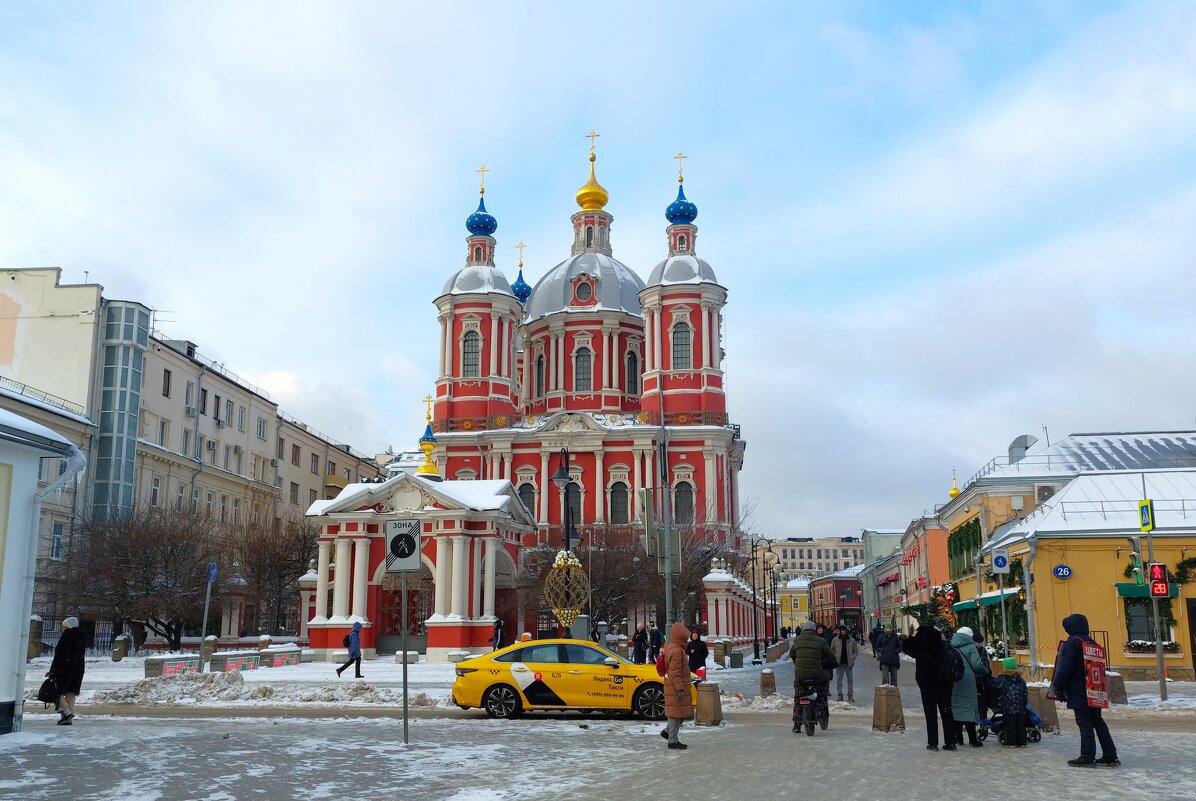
{"type": "Point", "coordinates": [997, 723]}
{"type": "Point", "coordinates": [991, 698]}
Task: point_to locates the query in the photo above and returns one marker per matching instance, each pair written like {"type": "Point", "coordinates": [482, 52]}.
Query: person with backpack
{"type": "Point", "coordinates": [352, 641]}
{"type": "Point", "coordinates": [1069, 684]}
{"type": "Point", "coordinates": [845, 649]}
{"type": "Point", "coordinates": [499, 639]}
{"type": "Point", "coordinates": [655, 641]}
{"type": "Point", "coordinates": [812, 660]}
{"type": "Point", "coordinates": [934, 673]}
{"type": "Point", "coordinates": [678, 705]}
{"type": "Point", "coordinates": [67, 668]}
{"type": "Point", "coordinates": [964, 704]}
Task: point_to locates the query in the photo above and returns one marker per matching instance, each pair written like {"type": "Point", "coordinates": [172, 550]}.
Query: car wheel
{"type": "Point", "coordinates": [649, 702]}
{"type": "Point", "coordinates": [501, 701]}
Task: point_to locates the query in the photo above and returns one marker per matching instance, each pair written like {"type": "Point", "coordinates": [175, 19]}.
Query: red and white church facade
{"type": "Point", "coordinates": [625, 375]}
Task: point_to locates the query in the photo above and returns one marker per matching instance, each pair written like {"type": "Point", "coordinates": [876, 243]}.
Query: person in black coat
{"type": "Point", "coordinates": [889, 655]}
{"type": "Point", "coordinates": [655, 641]}
{"type": "Point", "coordinates": [67, 668]}
{"type": "Point", "coordinates": [926, 647]}
{"type": "Point", "coordinates": [697, 652]}
{"type": "Point", "coordinates": [1069, 685]}
{"type": "Point", "coordinates": [639, 643]}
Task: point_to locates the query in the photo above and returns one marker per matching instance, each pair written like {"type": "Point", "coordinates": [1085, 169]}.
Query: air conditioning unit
{"type": "Point", "coordinates": [220, 423]}
{"type": "Point", "coordinates": [274, 463]}
{"type": "Point", "coordinates": [189, 411]}
{"type": "Point", "coordinates": [236, 449]}
{"type": "Point", "coordinates": [211, 444]}
{"type": "Point", "coordinates": [1044, 493]}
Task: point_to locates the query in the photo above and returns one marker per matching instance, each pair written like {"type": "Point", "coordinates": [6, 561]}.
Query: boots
{"type": "Point", "coordinates": [851, 698]}
{"type": "Point", "coordinates": [840, 698]}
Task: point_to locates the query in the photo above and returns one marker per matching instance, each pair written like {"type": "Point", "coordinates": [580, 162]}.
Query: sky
{"type": "Point", "coordinates": [941, 225]}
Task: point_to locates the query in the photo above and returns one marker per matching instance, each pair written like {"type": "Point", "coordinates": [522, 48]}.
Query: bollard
{"type": "Point", "coordinates": [35, 638]}
{"type": "Point", "coordinates": [768, 683]}
{"type": "Point", "coordinates": [410, 657]}
{"type": "Point", "coordinates": [720, 653]}
{"type": "Point", "coordinates": [887, 715]}
{"type": "Point", "coordinates": [1045, 708]}
{"type": "Point", "coordinates": [709, 711]}
{"type": "Point", "coordinates": [264, 642]}
{"type": "Point", "coordinates": [120, 647]}
{"type": "Point", "coordinates": [207, 648]}
{"type": "Point", "coordinates": [1115, 683]}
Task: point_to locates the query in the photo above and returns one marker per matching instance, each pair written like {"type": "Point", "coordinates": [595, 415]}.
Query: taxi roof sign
{"type": "Point", "coordinates": [1146, 515]}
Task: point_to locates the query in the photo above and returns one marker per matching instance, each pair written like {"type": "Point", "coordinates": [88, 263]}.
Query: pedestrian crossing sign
{"type": "Point", "coordinates": [1146, 514]}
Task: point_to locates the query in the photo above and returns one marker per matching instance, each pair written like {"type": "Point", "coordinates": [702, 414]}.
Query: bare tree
{"type": "Point", "coordinates": [271, 558]}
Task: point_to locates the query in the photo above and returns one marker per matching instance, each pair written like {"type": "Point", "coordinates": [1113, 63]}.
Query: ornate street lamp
{"type": "Point", "coordinates": [755, 616]}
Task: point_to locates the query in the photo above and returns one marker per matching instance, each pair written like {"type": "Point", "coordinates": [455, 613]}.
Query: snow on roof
{"type": "Point", "coordinates": [1080, 453]}
{"type": "Point", "coordinates": [1107, 502]}
{"type": "Point", "coordinates": [799, 583]}
{"type": "Point", "coordinates": [29, 400]}
{"type": "Point", "coordinates": [884, 530]}
{"type": "Point", "coordinates": [33, 434]}
{"type": "Point", "coordinates": [849, 572]}
{"type": "Point", "coordinates": [483, 496]}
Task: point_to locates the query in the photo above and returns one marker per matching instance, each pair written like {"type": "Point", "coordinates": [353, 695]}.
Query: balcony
{"type": "Point", "coordinates": [334, 482]}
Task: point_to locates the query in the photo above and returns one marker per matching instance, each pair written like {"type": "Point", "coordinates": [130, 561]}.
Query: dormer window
{"type": "Point", "coordinates": [584, 291]}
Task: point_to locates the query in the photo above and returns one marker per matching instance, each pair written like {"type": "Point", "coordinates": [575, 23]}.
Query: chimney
{"type": "Point", "coordinates": [1019, 446]}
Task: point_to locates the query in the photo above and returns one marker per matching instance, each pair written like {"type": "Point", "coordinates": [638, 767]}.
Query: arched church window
{"type": "Point", "coordinates": [583, 362]}
{"type": "Point", "coordinates": [681, 243]}
{"type": "Point", "coordinates": [540, 376]}
{"type": "Point", "coordinates": [682, 347]}
{"type": "Point", "coordinates": [471, 355]}
{"type": "Point", "coordinates": [619, 503]}
{"type": "Point", "coordinates": [477, 253]}
{"type": "Point", "coordinates": [633, 374]}
{"type": "Point", "coordinates": [527, 494]}
{"type": "Point", "coordinates": [683, 503]}
{"type": "Point", "coordinates": [573, 501]}
{"type": "Point", "coordinates": [589, 236]}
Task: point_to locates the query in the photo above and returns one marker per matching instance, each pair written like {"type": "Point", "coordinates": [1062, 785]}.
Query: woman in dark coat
{"type": "Point", "coordinates": [1069, 685]}
{"type": "Point", "coordinates": [697, 652]}
{"type": "Point", "coordinates": [639, 642]}
{"type": "Point", "coordinates": [67, 668]}
{"type": "Point", "coordinates": [926, 647]}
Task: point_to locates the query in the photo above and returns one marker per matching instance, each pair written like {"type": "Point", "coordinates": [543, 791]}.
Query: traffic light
{"type": "Point", "coordinates": [1160, 585]}
{"type": "Point", "coordinates": [1136, 558]}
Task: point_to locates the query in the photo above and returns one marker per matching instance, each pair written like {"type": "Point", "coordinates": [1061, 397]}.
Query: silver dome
{"type": "Point", "coordinates": [682, 269]}
{"type": "Point", "coordinates": [477, 279]}
{"type": "Point", "coordinates": [618, 287]}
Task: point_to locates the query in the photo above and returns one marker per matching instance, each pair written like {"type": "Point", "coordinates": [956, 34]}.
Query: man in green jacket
{"type": "Point", "coordinates": [812, 660]}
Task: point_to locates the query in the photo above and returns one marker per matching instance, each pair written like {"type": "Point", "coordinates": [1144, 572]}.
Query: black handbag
{"type": "Point", "coordinates": [48, 693]}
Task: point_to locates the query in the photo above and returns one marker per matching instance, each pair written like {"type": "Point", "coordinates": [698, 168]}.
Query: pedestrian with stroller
{"type": "Point", "coordinates": [1070, 685]}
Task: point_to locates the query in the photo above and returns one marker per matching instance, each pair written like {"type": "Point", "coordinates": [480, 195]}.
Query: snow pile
{"type": "Point", "coordinates": [769, 703]}
{"type": "Point", "coordinates": [209, 688]}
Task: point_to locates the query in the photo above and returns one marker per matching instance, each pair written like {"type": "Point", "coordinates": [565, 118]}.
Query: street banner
{"type": "Point", "coordinates": [1094, 675]}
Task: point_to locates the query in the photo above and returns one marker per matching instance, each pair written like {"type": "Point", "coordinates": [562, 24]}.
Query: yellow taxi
{"type": "Point", "coordinates": [558, 674]}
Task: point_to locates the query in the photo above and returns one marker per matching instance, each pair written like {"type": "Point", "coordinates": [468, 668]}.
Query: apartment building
{"type": "Point", "coordinates": [312, 466]}
{"type": "Point", "coordinates": [814, 556]}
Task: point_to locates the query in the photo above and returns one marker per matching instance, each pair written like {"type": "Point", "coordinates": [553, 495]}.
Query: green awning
{"type": "Point", "coordinates": [959, 607]}
{"type": "Point", "coordinates": [1132, 589]}
{"type": "Point", "coordinates": [992, 599]}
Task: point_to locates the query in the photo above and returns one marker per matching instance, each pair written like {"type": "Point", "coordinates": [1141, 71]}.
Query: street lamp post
{"type": "Point", "coordinates": [755, 592]}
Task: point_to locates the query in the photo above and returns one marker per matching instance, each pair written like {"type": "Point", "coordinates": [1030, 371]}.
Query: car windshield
{"type": "Point", "coordinates": [605, 653]}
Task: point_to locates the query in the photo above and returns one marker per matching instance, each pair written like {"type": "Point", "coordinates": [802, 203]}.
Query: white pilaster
{"type": "Point", "coordinates": [493, 343]}
{"type": "Point", "coordinates": [637, 457]}
{"type": "Point", "coordinates": [600, 488]}
{"type": "Point", "coordinates": [475, 576]}
{"type": "Point", "coordinates": [543, 476]}
{"type": "Point", "coordinates": [489, 579]}
{"type": "Point", "coordinates": [361, 562]}
{"type": "Point", "coordinates": [705, 335]}
{"type": "Point", "coordinates": [340, 591]}
{"type": "Point", "coordinates": [322, 582]}
{"type": "Point", "coordinates": [459, 579]}
{"type": "Point", "coordinates": [440, 591]}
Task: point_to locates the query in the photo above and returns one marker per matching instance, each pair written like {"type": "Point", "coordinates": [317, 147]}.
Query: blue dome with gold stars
{"type": "Point", "coordinates": [521, 289]}
{"type": "Point", "coordinates": [681, 210]}
{"type": "Point", "coordinates": [481, 223]}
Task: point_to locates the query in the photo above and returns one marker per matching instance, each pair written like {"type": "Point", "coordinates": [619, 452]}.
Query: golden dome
{"type": "Point", "coordinates": [592, 197]}
{"type": "Point", "coordinates": [954, 493]}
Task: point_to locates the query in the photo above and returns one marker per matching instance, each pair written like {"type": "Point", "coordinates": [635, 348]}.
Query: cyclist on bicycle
{"type": "Point", "coordinates": [812, 661]}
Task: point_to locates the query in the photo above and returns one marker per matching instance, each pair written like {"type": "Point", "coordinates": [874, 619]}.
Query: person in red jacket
{"type": "Point", "coordinates": [678, 705]}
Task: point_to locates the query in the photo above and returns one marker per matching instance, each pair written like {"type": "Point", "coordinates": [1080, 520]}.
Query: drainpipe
{"type": "Point", "coordinates": [199, 459]}
{"type": "Point", "coordinates": [76, 461]}
{"type": "Point", "coordinates": [1031, 634]}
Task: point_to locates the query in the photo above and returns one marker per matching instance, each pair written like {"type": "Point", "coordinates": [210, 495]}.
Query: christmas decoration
{"type": "Point", "coordinates": [566, 587]}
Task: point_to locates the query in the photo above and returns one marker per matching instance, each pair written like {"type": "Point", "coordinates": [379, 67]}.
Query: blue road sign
{"type": "Point", "coordinates": [1062, 571]}
{"type": "Point", "coordinates": [212, 572]}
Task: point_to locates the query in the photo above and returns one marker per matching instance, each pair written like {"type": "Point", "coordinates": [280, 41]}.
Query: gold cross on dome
{"type": "Point", "coordinates": [482, 170]}
{"type": "Point", "coordinates": [428, 400]}
{"type": "Point", "coordinates": [592, 135]}
{"type": "Point", "coordinates": [680, 163]}
{"type": "Point", "coordinates": [520, 246]}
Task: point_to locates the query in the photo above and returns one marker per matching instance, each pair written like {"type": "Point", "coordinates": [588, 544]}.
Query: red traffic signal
{"type": "Point", "coordinates": [1160, 586]}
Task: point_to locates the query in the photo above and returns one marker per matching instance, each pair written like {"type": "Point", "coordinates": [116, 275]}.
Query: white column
{"type": "Point", "coordinates": [636, 483]}
{"type": "Point", "coordinates": [606, 359]}
{"type": "Point", "coordinates": [550, 381]}
{"type": "Point", "coordinates": [322, 582]}
{"type": "Point", "coordinates": [657, 335]}
{"type": "Point", "coordinates": [616, 362]}
{"type": "Point", "coordinates": [561, 347]}
{"type": "Point", "coordinates": [489, 579]}
{"type": "Point", "coordinates": [717, 326]}
{"type": "Point", "coordinates": [443, 339]}
{"type": "Point", "coordinates": [475, 576]}
{"type": "Point", "coordinates": [710, 498]}
{"type": "Point", "coordinates": [460, 580]}
{"type": "Point", "coordinates": [525, 391]}
{"type": "Point", "coordinates": [543, 487]}
{"type": "Point", "coordinates": [493, 343]}
{"type": "Point", "coordinates": [599, 488]}
{"type": "Point", "coordinates": [440, 597]}
{"type": "Point", "coordinates": [340, 592]}
{"type": "Point", "coordinates": [448, 345]}
{"type": "Point", "coordinates": [705, 335]}
{"type": "Point", "coordinates": [710, 610]}
{"type": "Point", "coordinates": [361, 562]}
{"type": "Point", "coordinates": [504, 328]}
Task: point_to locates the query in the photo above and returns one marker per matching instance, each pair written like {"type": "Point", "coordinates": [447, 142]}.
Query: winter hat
{"type": "Point", "coordinates": [70, 622]}
{"type": "Point", "coordinates": [809, 625]}
{"type": "Point", "coordinates": [965, 631]}
{"type": "Point", "coordinates": [1009, 663]}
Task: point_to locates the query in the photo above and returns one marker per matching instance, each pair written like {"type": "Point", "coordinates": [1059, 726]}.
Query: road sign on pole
{"type": "Point", "coordinates": [1001, 562]}
{"type": "Point", "coordinates": [207, 600]}
{"type": "Point", "coordinates": [1146, 514]}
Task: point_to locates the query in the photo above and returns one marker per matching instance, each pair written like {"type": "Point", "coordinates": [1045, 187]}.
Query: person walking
{"type": "Point", "coordinates": [964, 705]}
{"type": "Point", "coordinates": [678, 705]}
{"type": "Point", "coordinates": [498, 640]}
{"type": "Point", "coordinates": [639, 644]}
{"type": "Point", "coordinates": [655, 641]}
{"type": "Point", "coordinates": [812, 661]}
{"type": "Point", "coordinates": [67, 668]}
{"type": "Point", "coordinates": [1069, 684]}
{"type": "Point", "coordinates": [926, 648]}
{"type": "Point", "coordinates": [697, 652]}
{"type": "Point", "coordinates": [354, 647]}
{"type": "Point", "coordinates": [845, 649]}
{"type": "Point", "coordinates": [890, 656]}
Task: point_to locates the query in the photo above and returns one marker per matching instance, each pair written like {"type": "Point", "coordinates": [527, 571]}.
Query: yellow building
{"type": "Point", "coordinates": [1077, 549]}
{"type": "Point", "coordinates": [795, 602]}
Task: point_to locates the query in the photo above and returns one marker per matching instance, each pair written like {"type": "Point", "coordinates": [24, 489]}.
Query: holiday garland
{"type": "Point", "coordinates": [566, 587]}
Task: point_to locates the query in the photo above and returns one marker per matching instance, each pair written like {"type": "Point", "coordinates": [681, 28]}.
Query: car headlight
{"type": "Point", "coordinates": [465, 671]}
